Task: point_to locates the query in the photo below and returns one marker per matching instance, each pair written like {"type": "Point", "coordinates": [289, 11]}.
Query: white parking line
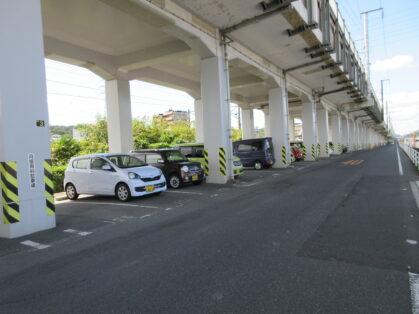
{"type": "Point", "coordinates": [184, 192]}
{"type": "Point", "coordinates": [414, 292]}
{"type": "Point", "coordinates": [145, 216]}
{"type": "Point", "coordinates": [80, 233]}
{"type": "Point", "coordinates": [118, 204]}
{"type": "Point", "coordinates": [249, 185]}
{"type": "Point", "coordinates": [35, 245]}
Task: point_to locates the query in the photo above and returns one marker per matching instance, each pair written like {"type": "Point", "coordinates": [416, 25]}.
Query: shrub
{"type": "Point", "coordinates": [58, 177]}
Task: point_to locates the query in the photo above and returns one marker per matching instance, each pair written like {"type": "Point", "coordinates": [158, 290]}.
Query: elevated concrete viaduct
{"type": "Point", "coordinates": [287, 58]}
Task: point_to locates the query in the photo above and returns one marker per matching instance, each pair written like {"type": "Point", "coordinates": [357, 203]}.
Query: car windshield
{"type": "Point", "coordinates": [175, 156]}
{"type": "Point", "coordinates": [125, 161]}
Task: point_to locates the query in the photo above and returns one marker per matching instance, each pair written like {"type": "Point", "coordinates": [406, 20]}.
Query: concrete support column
{"type": "Point", "coordinates": [217, 122]}
{"type": "Point", "coordinates": [267, 122]}
{"type": "Point", "coordinates": [278, 113]}
{"type": "Point", "coordinates": [351, 137]}
{"type": "Point", "coordinates": [199, 121]}
{"type": "Point", "coordinates": [248, 124]}
{"type": "Point", "coordinates": [118, 106]}
{"type": "Point", "coordinates": [336, 134]}
{"type": "Point", "coordinates": [323, 131]}
{"type": "Point", "coordinates": [27, 203]}
{"type": "Point", "coordinates": [291, 128]}
{"type": "Point", "coordinates": [357, 136]}
{"type": "Point", "coordinates": [345, 131]}
{"type": "Point", "coordinates": [309, 129]}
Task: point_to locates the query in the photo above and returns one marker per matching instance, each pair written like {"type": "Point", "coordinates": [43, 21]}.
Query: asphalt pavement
{"type": "Point", "coordinates": [334, 236]}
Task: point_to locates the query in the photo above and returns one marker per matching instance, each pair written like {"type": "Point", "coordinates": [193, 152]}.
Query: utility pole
{"type": "Point", "coordinates": [239, 117]}
{"type": "Point", "coordinates": [366, 38]}
{"type": "Point", "coordinates": [382, 96]}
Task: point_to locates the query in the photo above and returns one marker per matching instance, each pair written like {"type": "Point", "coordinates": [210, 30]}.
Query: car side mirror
{"type": "Point", "coordinates": [160, 161]}
{"type": "Point", "coordinates": [106, 167]}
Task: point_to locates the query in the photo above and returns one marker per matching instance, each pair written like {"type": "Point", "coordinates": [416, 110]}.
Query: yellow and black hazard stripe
{"type": "Point", "coordinates": [206, 168]}
{"type": "Point", "coordinates": [284, 156]}
{"type": "Point", "coordinates": [313, 152]}
{"type": "Point", "coordinates": [326, 148]}
{"type": "Point", "coordinates": [339, 147]}
{"type": "Point", "coordinates": [318, 149]}
{"type": "Point", "coordinates": [222, 161]}
{"type": "Point", "coordinates": [9, 192]}
{"type": "Point", "coordinates": [333, 147]}
{"type": "Point", "coordinates": [49, 187]}
{"type": "Point", "coordinates": [304, 152]}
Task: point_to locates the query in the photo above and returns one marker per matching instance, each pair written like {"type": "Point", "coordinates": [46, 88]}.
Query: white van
{"type": "Point", "coordinates": [121, 175]}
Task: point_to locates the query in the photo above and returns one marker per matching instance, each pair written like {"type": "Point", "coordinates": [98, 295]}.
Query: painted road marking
{"type": "Point", "coordinates": [118, 204]}
{"type": "Point", "coordinates": [412, 242]}
{"type": "Point", "coordinates": [399, 162]}
{"type": "Point", "coordinates": [184, 192]}
{"type": "Point", "coordinates": [167, 209]}
{"type": "Point", "coordinates": [415, 191]}
{"type": "Point", "coordinates": [352, 162]}
{"type": "Point", "coordinates": [35, 245]}
{"type": "Point", "coordinates": [145, 216]}
{"type": "Point", "coordinates": [80, 233]}
{"type": "Point", "coordinates": [414, 292]}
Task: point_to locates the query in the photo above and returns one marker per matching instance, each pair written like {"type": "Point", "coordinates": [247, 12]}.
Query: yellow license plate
{"type": "Point", "coordinates": [194, 178]}
{"type": "Point", "coordinates": [150, 188]}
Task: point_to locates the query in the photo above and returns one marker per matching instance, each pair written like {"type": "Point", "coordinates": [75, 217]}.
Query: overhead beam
{"type": "Point", "coordinates": [257, 100]}
{"type": "Point", "coordinates": [165, 79]}
{"type": "Point", "coordinates": [153, 55]}
{"type": "Point", "coordinates": [335, 91]}
{"type": "Point", "coordinates": [285, 5]}
{"type": "Point", "coordinates": [304, 65]}
{"type": "Point", "coordinates": [98, 63]}
{"type": "Point", "coordinates": [338, 74]}
{"type": "Point", "coordinates": [245, 81]}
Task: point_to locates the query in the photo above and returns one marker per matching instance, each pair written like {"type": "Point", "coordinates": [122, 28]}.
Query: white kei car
{"type": "Point", "coordinates": [121, 175]}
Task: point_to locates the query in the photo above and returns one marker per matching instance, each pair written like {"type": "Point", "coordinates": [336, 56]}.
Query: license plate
{"type": "Point", "coordinates": [150, 188]}
{"type": "Point", "coordinates": [194, 178]}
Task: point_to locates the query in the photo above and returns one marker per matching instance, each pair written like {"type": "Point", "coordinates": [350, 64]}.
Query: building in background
{"type": "Point", "coordinates": [176, 115]}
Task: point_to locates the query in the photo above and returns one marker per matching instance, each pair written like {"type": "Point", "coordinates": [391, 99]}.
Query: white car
{"type": "Point", "coordinates": [121, 175]}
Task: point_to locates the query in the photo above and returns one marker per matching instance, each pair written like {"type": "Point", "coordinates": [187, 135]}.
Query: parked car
{"type": "Point", "coordinates": [121, 175]}
{"type": "Point", "coordinates": [175, 166]}
{"type": "Point", "coordinates": [195, 152]}
{"type": "Point", "coordinates": [257, 153]}
{"type": "Point", "coordinates": [296, 151]}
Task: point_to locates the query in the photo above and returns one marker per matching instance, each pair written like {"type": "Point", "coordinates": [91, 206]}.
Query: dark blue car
{"type": "Point", "coordinates": [257, 153]}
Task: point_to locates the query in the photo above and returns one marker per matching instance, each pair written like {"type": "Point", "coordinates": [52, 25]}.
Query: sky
{"type": "Point", "coordinates": [75, 95]}
{"type": "Point", "coordinates": [394, 54]}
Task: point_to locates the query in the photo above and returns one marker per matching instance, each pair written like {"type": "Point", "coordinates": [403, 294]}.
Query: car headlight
{"type": "Point", "coordinates": [185, 169]}
{"type": "Point", "coordinates": [133, 175]}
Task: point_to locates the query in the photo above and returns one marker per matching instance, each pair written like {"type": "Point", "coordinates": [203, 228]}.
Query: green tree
{"type": "Point", "coordinates": [236, 134]}
{"type": "Point", "coordinates": [63, 149]}
{"type": "Point", "coordinates": [95, 136]}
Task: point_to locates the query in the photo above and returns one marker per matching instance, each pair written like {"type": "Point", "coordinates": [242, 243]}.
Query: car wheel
{"type": "Point", "coordinates": [174, 181]}
{"type": "Point", "coordinates": [258, 165]}
{"type": "Point", "coordinates": [122, 192]}
{"type": "Point", "coordinates": [71, 192]}
{"type": "Point", "coordinates": [197, 182]}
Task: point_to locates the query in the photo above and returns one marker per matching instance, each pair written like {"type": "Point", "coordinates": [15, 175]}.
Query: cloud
{"type": "Point", "coordinates": [404, 111]}
{"type": "Point", "coordinates": [395, 63]}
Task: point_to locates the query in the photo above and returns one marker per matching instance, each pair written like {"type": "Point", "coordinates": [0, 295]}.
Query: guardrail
{"type": "Point", "coordinates": [412, 153]}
